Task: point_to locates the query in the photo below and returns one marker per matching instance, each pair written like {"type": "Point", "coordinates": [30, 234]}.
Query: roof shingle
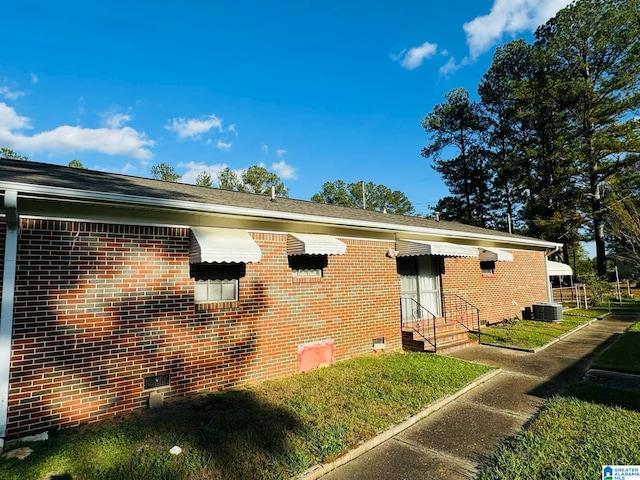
{"type": "Point", "coordinates": [43, 174]}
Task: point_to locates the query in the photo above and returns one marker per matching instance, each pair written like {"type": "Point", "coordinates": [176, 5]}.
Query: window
{"type": "Point", "coordinates": [307, 266]}
{"type": "Point", "coordinates": [216, 282]}
{"type": "Point", "coordinates": [488, 267]}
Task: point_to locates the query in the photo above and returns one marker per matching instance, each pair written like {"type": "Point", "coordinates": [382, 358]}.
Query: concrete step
{"type": "Point", "coordinates": [457, 345]}
{"type": "Point", "coordinates": [451, 337]}
{"type": "Point", "coordinates": [447, 329]}
{"type": "Point", "coordinates": [448, 339]}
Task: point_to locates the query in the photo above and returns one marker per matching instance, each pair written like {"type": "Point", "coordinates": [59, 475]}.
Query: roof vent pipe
{"type": "Point", "coordinates": [273, 193]}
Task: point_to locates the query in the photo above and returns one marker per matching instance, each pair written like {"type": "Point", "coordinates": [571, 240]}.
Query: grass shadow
{"type": "Point", "coordinates": [607, 396]}
{"type": "Point", "coordinates": [233, 435]}
{"type": "Point", "coordinates": [623, 355]}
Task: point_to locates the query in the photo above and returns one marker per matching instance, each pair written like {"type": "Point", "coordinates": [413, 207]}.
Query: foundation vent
{"type": "Point", "coordinates": [378, 343]}
{"type": "Point", "coordinates": [157, 381]}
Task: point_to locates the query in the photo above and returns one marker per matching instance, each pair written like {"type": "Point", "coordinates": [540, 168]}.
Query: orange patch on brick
{"type": "Point", "coordinates": [312, 355]}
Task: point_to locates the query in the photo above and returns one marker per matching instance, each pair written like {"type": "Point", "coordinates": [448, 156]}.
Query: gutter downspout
{"type": "Point", "coordinates": [6, 313]}
{"type": "Point", "coordinates": [546, 269]}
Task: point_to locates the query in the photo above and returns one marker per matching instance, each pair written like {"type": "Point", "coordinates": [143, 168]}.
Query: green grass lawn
{"type": "Point", "coordinates": [572, 438]}
{"type": "Point", "coordinates": [595, 312]}
{"type": "Point", "coordinates": [531, 333]}
{"type": "Point", "coordinates": [624, 354]}
{"type": "Point", "coordinates": [274, 430]}
{"type": "Point", "coordinates": [613, 305]}
{"type": "Point", "coordinates": [628, 304]}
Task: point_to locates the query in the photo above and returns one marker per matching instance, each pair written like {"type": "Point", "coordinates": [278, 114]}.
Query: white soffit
{"type": "Point", "coordinates": [408, 248]}
{"type": "Point", "coordinates": [310, 244]}
{"type": "Point", "coordinates": [559, 269]}
{"type": "Point", "coordinates": [490, 254]}
{"type": "Point", "coordinates": [209, 244]}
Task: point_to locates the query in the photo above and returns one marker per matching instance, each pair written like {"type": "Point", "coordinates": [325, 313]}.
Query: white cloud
{"type": "Point", "coordinates": [264, 148]}
{"type": "Point", "coordinates": [193, 128]}
{"type": "Point", "coordinates": [115, 120]}
{"type": "Point", "coordinates": [508, 17]}
{"type": "Point", "coordinates": [10, 120]}
{"type": "Point", "coordinates": [111, 141]}
{"type": "Point", "coordinates": [222, 145]}
{"type": "Point", "coordinates": [10, 94]}
{"type": "Point", "coordinates": [284, 170]}
{"type": "Point", "coordinates": [34, 78]}
{"type": "Point", "coordinates": [193, 169]}
{"type": "Point", "coordinates": [281, 152]}
{"type": "Point", "coordinates": [128, 168]}
{"type": "Point", "coordinates": [140, 168]}
{"type": "Point", "coordinates": [414, 57]}
{"type": "Point", "coordinates": [450, 67]}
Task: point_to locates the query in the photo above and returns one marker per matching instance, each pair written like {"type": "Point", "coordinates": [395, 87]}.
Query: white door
{"type": "Point", "coordinates": [420, 280]}
{"type": "Point", "coordinates": [429, 284]}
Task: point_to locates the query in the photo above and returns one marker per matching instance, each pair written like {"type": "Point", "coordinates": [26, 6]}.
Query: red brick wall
{"type": "Point", "coordinates": [522, 281]}
{"type": "Point", "coordinates": [100, 307]}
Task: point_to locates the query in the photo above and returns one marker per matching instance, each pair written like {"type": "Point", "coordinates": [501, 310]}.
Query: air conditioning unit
{"type": "Point", "coordinates": [547, 312]}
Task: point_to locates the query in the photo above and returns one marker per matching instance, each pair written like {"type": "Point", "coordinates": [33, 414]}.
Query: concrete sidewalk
{"type": "Point", "coordinates": [450, 443]}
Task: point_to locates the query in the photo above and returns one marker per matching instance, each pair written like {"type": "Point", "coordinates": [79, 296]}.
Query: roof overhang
{"type": "Point", "coordinates": [491, 254]}
{"type": "Point", "coordinates": [62, 195]}
{"type": "Point", "coordinates": [222, 245]}
{"type": "Point", "coordinates": [311, 244]}
{"type": "Point", "coordinates": [558, 269]}
{"type": "Point", "coordinates": [407, 248]}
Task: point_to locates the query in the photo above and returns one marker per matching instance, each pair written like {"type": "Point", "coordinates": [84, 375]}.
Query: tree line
{"type": "Point", "coordinates": [257, 179]}
{"type": "Point", "coordinates": [551, 149]}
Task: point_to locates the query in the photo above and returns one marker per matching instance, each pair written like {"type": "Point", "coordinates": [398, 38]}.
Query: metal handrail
{"type": "Point", "coordinates": [420, 320]}
{"type": "Point", "coordinates": [463, 312]}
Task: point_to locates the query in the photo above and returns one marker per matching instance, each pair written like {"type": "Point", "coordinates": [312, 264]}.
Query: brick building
{"type": "Point", "coordinates": [118, 288]}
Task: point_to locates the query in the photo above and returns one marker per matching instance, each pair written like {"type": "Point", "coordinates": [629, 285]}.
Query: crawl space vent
{"type": "Point", "coordinates": [157, 381]}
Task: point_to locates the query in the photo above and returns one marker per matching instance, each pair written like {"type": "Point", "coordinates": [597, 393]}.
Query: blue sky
{"type": "Point", "coordinates": [316, 91]}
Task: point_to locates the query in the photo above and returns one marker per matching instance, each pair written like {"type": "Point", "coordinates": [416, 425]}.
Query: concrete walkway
{"type": "Point", "coordinates": [450, 443]}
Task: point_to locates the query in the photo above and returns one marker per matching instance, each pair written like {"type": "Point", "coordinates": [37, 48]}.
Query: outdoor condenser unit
{"type": "Point", "coordinates": [547, 312]}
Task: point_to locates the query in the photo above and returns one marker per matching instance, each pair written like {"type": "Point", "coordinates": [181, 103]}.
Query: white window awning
{"type": "Point", "coordinates": [490, 254]}
{"type": "Point", "coordinates": [558, 269]}
{"type": "Point", "coordinates": [312, 244]}
{"type": "Point", "coordinates": [222, 245]}
{"type": "Point", "coordinates": [407, 248]}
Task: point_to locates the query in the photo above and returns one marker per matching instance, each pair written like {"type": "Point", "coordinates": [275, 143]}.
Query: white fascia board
{"type": "Point", "coordinates": [154, 202]}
